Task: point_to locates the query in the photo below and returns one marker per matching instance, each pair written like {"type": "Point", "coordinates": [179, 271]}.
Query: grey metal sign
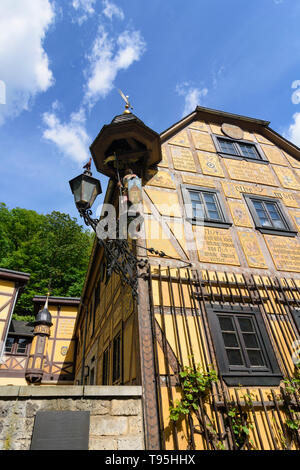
{"type": "Point", "coordinates": [61, 430]}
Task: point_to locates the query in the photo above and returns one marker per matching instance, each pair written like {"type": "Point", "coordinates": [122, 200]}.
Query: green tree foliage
{"type": "Point", "coordinates": [49, 247]}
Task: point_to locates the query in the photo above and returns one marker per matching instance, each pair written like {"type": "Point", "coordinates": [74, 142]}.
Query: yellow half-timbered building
{"type": "Point", "coordinates": [220, 295]}
{"type": "Point", "coordinates": [36, 352]}
{"type": "Point", "coordinates": [210, 329]}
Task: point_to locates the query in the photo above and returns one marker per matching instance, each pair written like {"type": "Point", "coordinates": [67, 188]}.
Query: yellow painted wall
{"type": "Point", "coordinates": [116, 313]}
{"type": "Point", "coordinates": [190, 158]}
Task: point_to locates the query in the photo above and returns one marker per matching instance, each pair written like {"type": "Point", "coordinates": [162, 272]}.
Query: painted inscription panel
{"type": "Point", "coordinates": [251, 248]}
{"type": "Point", "coordinates": [180, 139]}
{"type": "Point", "coordinates": [263, 140]}
{"type": "Point", "coordinates": [203, 141]}
{"type": "Point", "coordinates": [210, 164]}
{"type": "Point", "coordinates": [248, 171]}
{"type": "Point", "coordinates": [198, 125]}
{"type": "Point", "coordinates": [274, 155]}
{"type": "Point", "coordinates": [215, 245]}
{"type": "Point", "coordinates": [198, 181]}
{"type": "Point", "coordinates": [294, 163]}
{"type": "Point", "coordinates": [287, 178]}
{"type": "Point", "coordinates": [296, 218]}
{"type": "Point", "coordinates": [239, 214]}
{"type": "Point", "coordinates": [235, 190]}
{"type": "Point", "coordinates": [183, 159]}
{"type": "Point", "coordinates": [161, 178]}
{"type": "Point", "coordinates": [285, 252]}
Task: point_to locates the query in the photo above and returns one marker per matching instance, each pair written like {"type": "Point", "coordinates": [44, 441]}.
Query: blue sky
{"type": "Point", "coordinates": [62, 63]}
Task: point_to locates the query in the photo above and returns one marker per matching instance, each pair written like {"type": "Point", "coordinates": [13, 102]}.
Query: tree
{"type": "Point", "coordinates": [53, 248]}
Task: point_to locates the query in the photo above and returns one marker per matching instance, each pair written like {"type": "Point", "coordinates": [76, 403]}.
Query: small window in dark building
{"type": "Point", "coordinates": [92, 377]}
{"type": "Point", "coordinates": [105, 367]}
{"type": "Point", "coordinates": [15, 345]}
{"type": "Point", "coordinates": [243, 348]}
{"type": "Point", "coordinates": [117, 358]}
{"type": "Point", "coordinates": [9, 345]}
{"type": "Point", "coordinates": [296, 316]}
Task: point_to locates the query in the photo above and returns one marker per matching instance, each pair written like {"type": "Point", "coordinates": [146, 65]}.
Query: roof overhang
{"type": "Point", "coordinates": [17, 276]}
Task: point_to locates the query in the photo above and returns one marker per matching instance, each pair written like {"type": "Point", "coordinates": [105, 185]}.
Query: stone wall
{"type": "Point", "coordinates": [116, 421]}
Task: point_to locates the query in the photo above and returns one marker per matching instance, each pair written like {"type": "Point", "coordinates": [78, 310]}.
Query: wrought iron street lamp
{"type": "Point", "coordinates": [85, 189]}
{"type": "Point", "coordinates": [118, 255]}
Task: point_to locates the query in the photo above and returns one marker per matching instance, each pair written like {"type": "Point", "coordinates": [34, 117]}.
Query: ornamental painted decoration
{"type": "Point", "coordinates": [234, 132]}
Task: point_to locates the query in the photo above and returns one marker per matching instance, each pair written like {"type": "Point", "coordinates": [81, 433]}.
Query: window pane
{"type": "Point", "coordinates": [116, 358]}
{"type": "Point", "coordinates": [198, 211]}
{"type": "Point", "coordinates": [226, 324]}
{"type": "Point", "coordinates": [195, 196]}
{"type": "Point", "coordinates": [274, 215]}
{"type": "Point", "coordinates": [255, 358]}
{"type": "Point", "coordinates": [211, 206]}
{"type": "Point", "coordinates": [250, 340]}
{"type": "Point", "coordinates": [22, 344]}
{"type": "Point", "coordinates": [105, 367]}
{"type": "Point", "coordinates": [212, 215]}
{"type": "Point", "coordinates": [262, 214]}
{"type": "Point", "coordinates": [227, 147]}
{"type": "Point", "coordinates": [249, 150]}
{"type": "Point", "coordinates": [230, 340]}
{"type": "Point", "coordinates": [9, 344]}
{"type": "Point", "coordinates": [234, 357]}
{"type": "Point", "coordinates": [246, 324]}
{"type": "Point", "coordinates": [209, 198]}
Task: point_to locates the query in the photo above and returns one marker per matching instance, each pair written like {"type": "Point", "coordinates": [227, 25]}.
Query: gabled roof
{"type": "Point", "coordinates": [258, 125]}
{"type": "Point", "coordinates": [20, 328]}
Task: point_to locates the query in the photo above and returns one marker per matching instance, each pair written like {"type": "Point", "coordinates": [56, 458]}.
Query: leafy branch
{"type": "Point", "coordinates": [196, 385]}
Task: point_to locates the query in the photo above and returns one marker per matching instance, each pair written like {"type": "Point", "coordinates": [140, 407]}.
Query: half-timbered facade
{"type": "Point", "coordinates": [221, 221]}
{"type": "Point", "coordinates": [27, 351]}
{"type": "Point", "coordinates": [11, 284]}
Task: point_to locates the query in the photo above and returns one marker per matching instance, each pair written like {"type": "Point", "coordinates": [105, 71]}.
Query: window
{"type": "Point", "coordinates": [239, 149]}
{"type": "Point", "coordinates": [16, 345]}
{"type": "Point", "coordinates": [243, 348]}
{"type": "Point", "coordinates": [204, 206]}
{"type": "Point", "coordinates": [296, 316]}
{"type": "Point", "coordinates": [105, 367]}
{"type": "Point", "coordinates": [92, 377]}
{"type": "Point", "coordinates": [268, 215]}
{"type": "Point", "coordinates": [96, 303]}
{"type": "Point", "coordinates": [117, 358]}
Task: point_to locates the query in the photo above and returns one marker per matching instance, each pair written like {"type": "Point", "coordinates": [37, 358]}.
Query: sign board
{"type": "Point", "coordinates": [61, 430]}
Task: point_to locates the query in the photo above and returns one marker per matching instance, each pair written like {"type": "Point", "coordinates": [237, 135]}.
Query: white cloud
{"type": "Point", "coordinates": [71, 138]}
{"type": "Point", "coordinates": [85, 8]}
{"type": "Point", "coordinates": [293, 133]}
{"type": "Point", "coordinates": [24, 64]}
{"type": "Point", "coordinates": [296, 94]}
{"type": "Point", "coordinates": [192, 96]}
{"type": "Point", "coordinates": [111, 9]}
{"type": "Point", "coordinates": [108, 57]}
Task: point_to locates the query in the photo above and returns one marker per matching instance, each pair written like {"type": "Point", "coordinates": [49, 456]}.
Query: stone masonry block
{"type": "Point", "coordinates": [135, 425]}
{"type": "Point", "coordinates": [129, 407]}
{"type": "Point", "coordinates": [131, 443]}
{"type": "Point", "coordinates": [104, 443]}
{"type": "Point", "coordinates": [95, 406]}
{"type": "Point", "coordinates": [108, 426]}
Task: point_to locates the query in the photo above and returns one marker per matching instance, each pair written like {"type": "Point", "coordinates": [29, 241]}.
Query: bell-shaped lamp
{"type": "Point", "coordinates": [85, 189]}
